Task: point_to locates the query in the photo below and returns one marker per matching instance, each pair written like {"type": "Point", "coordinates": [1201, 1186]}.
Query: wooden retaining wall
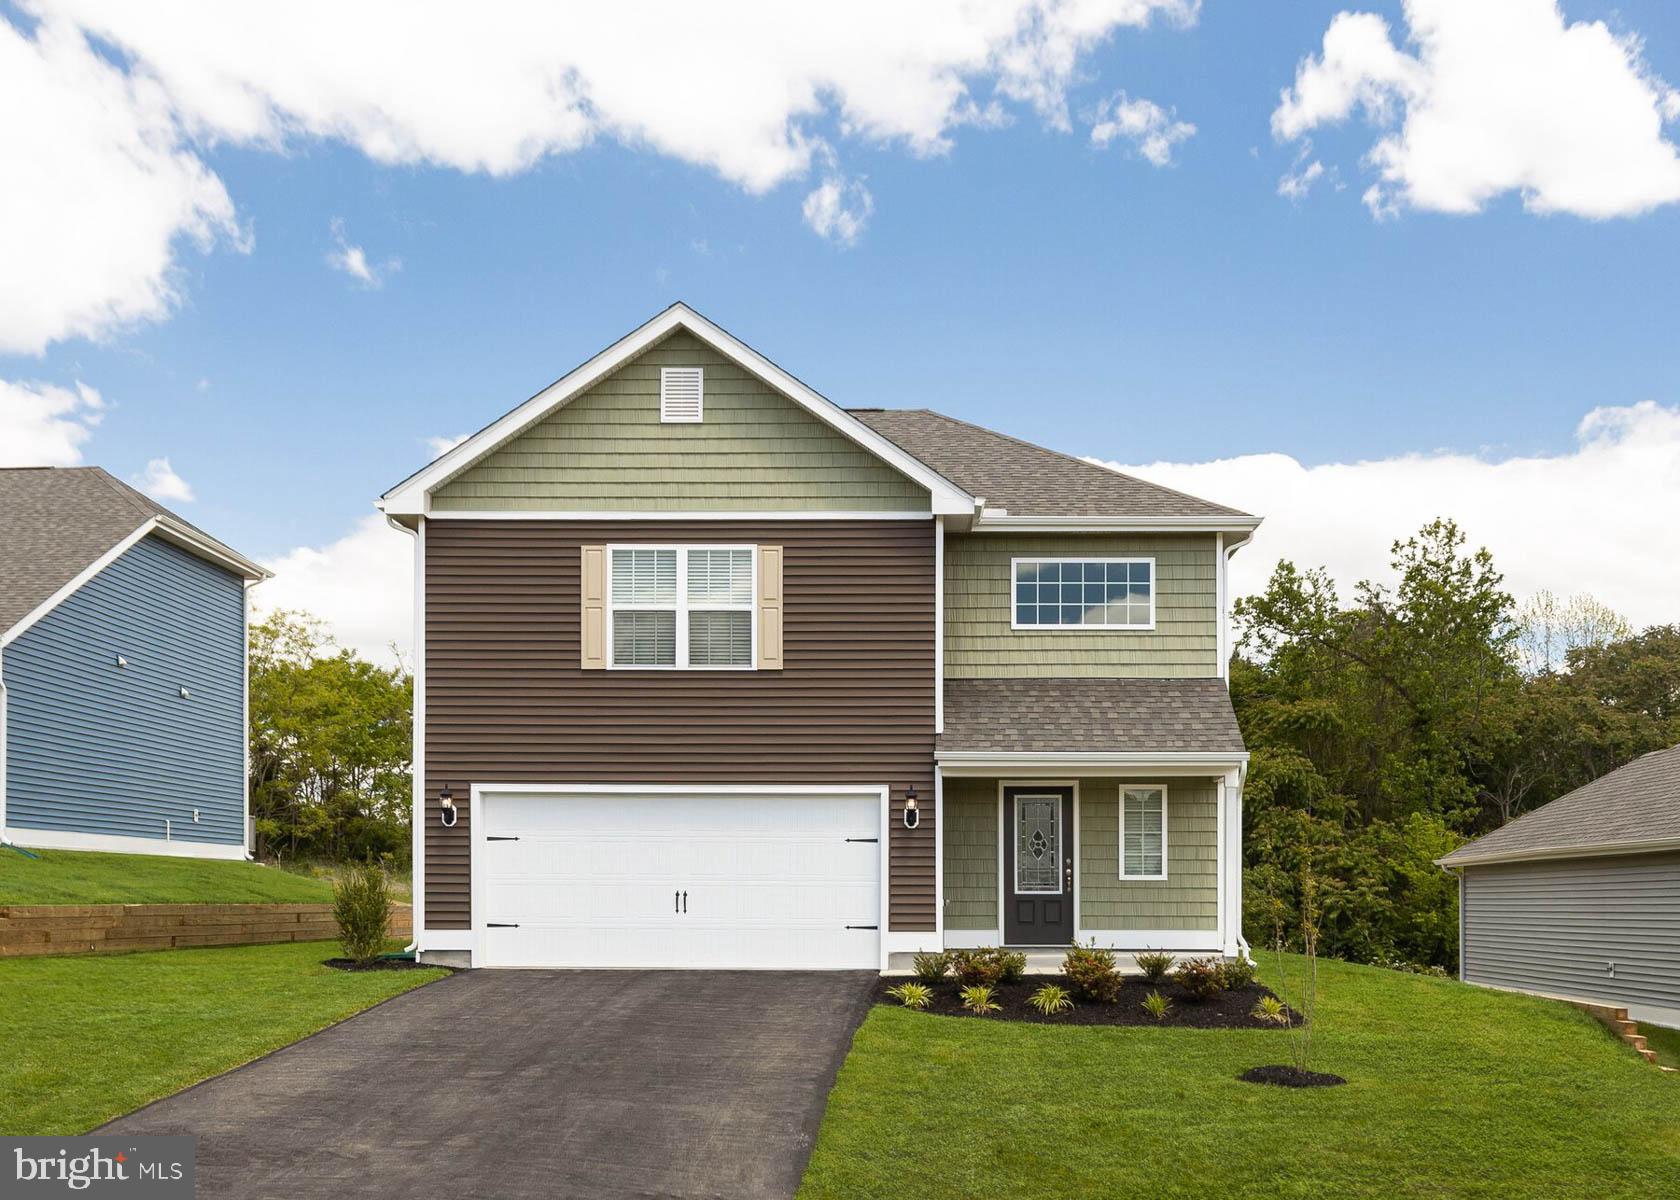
{"type": "Point", "coordinates": [111, 928]}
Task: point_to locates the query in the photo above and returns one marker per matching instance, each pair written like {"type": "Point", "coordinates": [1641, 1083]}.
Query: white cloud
{"type": "Point", "coordinates": [1296, 184]}
{"type": "Point", "coordinates": [1492, 97]}
{"type": "Point", "coordinates": [353, 260]}
{"type": "Point", "coordinates": [160, 482]}
{"type": "Point", "coordinates": [98, 193]}
{"type": "Point", "coordinates": [107, 176]}
{"type": "Point", "coordinates": [42, 425]}
{"type": "Point", "coordinates": [1598, 519]}
{"type": "Point", "coordinates": [838, 209]}
{"type": "Point", "coordinates": [439, 446]}
{"type": "Point", "coordinates": [361, 585]}
{"type": "Point", "coordinates": [1152, 130]}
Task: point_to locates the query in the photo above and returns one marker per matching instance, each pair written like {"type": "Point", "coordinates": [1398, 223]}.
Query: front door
{"type": "Point", "coordinates": [1037, 866]}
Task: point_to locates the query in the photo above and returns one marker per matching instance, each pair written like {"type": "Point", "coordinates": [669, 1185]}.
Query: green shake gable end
{"type": "Point", "coordinates": [754, 450]}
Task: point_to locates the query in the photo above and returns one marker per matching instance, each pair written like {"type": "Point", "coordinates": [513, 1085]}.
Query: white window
{"type": "Point", "coordinates": [682, 394]}
{"type": "Point", "coordinates": [1084, 593]}
{"type": "Point", "coordinates": [1143, 832]}
{"type": "Point", "coordinates": [682, 607]}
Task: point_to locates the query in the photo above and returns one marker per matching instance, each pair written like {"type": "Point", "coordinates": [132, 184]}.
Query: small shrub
{"type": "Point", "coordinates": [912, 995]}
{"type": "Point", "coordinates": [986, 967]}
{"type": "Point", "coordinates": [1157, 1006]}
{"type": "Point", "coordinates": [1014, 965]}
{"type": "Point", "coordinates": [1237, 973]}
{"type": "Point", "coordinates": [1093, 974]}
{"type": "Point", "coordinates": [1271, 1010]}
{"type": "Point", "coordinates": [362, 908]}
{"type": "Point", "coordinates": [1051, 1000]}
{"type": "Point", "coordinates": [931, 968]}
{"type": "Point", "coordinates": [1199, 977]}
{"type": "Point", "coordinates": [980, 1000]}
{"type": "Point", "coordinates": [1155, 965]}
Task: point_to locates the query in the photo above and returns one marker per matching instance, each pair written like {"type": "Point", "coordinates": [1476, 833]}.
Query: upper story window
{"type": "Point", "coordinates": [682, 394]}
{"type": "Point", "coordinates": [688, 607]}
{"type": "Point", "coordinates": [1084, 593]}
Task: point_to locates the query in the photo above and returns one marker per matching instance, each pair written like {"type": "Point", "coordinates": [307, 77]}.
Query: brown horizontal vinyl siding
{"type": "Point", "coordinates": [506, 701]}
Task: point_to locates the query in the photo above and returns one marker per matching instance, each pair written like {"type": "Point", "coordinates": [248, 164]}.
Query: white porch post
{"type": "Point", "coordinates": [1230, 859]}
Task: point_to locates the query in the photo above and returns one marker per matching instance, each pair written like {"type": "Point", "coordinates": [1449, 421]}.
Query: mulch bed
{"type": "Point", "coordinates": [1226, 1010]}
{"type": "Point", "coordinates": [378, 964]}
{"type": "Point", "coordinates": [1290, 1077]}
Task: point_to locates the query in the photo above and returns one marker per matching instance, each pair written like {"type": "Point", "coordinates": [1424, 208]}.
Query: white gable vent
{"type": "Point", "coordinates": [681, 393]}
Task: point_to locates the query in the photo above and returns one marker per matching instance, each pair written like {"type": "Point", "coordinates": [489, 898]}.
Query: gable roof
{"type": "Point", "coordinates": [1025, 480]}
{"type": "Point", "coordinates": [409, 498]}
{"type": "Point", "coordinates": [58, 522]}
{"type": "Point", "coordinates": [1636, 807]}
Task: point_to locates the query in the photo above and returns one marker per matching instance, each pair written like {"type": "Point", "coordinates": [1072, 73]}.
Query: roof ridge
{"type": "Point", "coordinates": [127, 494]}
{"type": "Point", "coordinates": [1085, 463]}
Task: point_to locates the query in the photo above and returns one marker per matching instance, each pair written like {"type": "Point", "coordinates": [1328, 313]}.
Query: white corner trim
{"type": "Point", "coordinates": [61, 839]}
{"type": "Point", "coordinates": [939, 625]}
{"type": "Point", "coordinates": [417, 785]}
{"type": "Point", "coordinates": [410, 497]}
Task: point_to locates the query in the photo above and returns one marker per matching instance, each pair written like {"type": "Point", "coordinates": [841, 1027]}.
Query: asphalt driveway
{"type": "Point", "coordinates": [535, 1083]}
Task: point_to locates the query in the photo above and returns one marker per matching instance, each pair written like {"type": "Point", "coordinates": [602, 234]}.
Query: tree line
{"type": "Point", "coordinates": [1387, 728]}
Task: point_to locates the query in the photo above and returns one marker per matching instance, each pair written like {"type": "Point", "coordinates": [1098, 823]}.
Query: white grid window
{"type": "Point", "coordinates": [1143, 833]}
{"type": "Point", "coordinates": [1084, 593]}
{"type": "Point", "coordinates": [682, 607]}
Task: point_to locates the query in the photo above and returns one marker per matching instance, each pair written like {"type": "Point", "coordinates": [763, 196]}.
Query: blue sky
{"type": "Point", "coordinates": [1024, 278]}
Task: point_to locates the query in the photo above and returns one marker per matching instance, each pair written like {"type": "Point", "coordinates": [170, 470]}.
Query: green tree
{"type": "Point", "coordinates": [331, 746]}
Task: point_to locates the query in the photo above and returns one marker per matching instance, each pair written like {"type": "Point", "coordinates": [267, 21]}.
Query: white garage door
{"type": "Point", "coordinates": [691, 879]}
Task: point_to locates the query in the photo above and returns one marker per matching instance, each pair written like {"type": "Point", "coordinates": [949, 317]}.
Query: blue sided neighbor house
{"type": "Point", "coordinates": [122, 671]}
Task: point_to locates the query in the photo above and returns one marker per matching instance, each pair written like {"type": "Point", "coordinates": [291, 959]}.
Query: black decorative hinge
{"type": "Point", "coordinates": [501, 924]}
{"type": "Point", "coordinates": [864, 840]}
{"type": "Point", "coordinates": [502, 838]}
{"type": "Point", "coordinates": [863, 927]}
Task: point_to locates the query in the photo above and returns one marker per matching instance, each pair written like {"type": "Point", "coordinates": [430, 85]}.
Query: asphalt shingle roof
{"type": "Point", "coordinates": [1024, 479]}
{"type": "Point", "coordinates": [1636, 803]}
{"type": "Point", "coordinates": [54, 521]}
{"type": "Point", "coordinates": [1089, 715]}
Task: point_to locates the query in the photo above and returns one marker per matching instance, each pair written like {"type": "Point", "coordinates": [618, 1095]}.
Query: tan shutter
{"type": "Point", "coordinates": [593, 627]}
{"type": "Point", "coordinates": [769, 608]}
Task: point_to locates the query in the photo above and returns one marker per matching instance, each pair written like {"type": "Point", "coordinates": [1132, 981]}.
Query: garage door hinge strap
{"type": "Point", "coordinates": [496, 838]}
{"type": "Point", "coordinates": [501, 924]}
{"type": "Point", "coordinates": [863, 927]}
{"type": "Point", "coordinates": [863, 839]}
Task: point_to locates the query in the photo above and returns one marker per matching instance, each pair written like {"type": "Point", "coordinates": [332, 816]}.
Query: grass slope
{"type": "Point", "coordinates": [1454, 1091]}
{"type": "Point", "coordinates": [1666, 1042]}
{"type": "Point", "coordinates": [95, 1036]}
{"type": "Point", "coordinates": [88, 877]}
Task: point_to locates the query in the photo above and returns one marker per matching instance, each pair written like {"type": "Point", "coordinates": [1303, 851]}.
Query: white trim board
{"type": "Point", "coordinates": [411, 497]}
{"type": "Point", "coordinates": [720, 515]}
{"type": "Point", "coordinates": [112, 843]}
{"type": "Point", "coordinates": [997, 520]}
{"type": "Point", "coordinates": [969, 763]}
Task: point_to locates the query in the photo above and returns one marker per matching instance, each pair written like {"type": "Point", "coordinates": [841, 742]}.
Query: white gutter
{"type": "Point", "coordinates": [998, 520]}
{"type": "Point", "coordinates": [1600, 850]}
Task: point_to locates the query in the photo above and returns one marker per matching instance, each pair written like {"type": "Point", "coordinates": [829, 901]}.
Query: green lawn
{"type": "Point", "coordinates": [87, 877]}
{"type": "Point", "coordinates": [1455, 1091]}
{"type": "Point", "coordinates": [1666, 1042]}
{"type": "Point", "coordinates": [90, 1037]}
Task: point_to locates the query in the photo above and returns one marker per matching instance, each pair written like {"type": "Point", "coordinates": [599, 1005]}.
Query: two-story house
{"type": "Point", "coordinates": [712, 672]}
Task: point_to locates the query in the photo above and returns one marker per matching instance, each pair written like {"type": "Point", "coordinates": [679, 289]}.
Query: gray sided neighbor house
{"type": "Point", "coordinates": [1580, 899]}
{"type": "Point", "coordinates": [712, 672]}
{"type": "Point", "coordinates": [122, 671]}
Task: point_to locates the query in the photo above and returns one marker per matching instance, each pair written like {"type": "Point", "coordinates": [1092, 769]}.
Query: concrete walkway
{"type": "Point", "coordinates": [535, 1083]}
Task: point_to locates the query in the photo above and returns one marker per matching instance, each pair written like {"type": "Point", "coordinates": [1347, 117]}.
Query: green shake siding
{"type": "Point", "coordinates": [1187, 899]}
{"type": "Point", "coordinates": [754, 451]}
{"type": "Point", "coordinates": [979, 643]}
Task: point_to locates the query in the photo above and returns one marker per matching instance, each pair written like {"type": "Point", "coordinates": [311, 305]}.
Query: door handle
{"type": "Point", "coordinates": [685, 902]}
{"type": "Point", "coordinates": [676, 902]}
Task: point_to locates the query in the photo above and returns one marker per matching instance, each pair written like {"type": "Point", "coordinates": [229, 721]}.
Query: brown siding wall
{"type": "Point", "coordinates": [506, 701]}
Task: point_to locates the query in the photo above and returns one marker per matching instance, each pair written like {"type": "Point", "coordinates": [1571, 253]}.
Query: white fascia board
{"type": "Point", "coordinates": [165, 527]}
{"type": "Point", "coordinates": [994, 520]}
{"type": "Point", "coordinates": [1600, 850]}
{"type": "Point", "coordinates": [986, 762]}
{"type": "Point", "coordinates": [650, 514]}
{"type": "Point", "coordinates": [410, 497]}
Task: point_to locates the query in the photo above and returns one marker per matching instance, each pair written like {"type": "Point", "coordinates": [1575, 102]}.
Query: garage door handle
{"type": "Point", "coordinates": [863, 927]}
{"type": "Point", "coordinates": [494, 838]}
{"type": "Point", "coordinates": [685, 902]}
{"type": "Point", "coordinates": [863, 839]}
{"type": "Point", "coordinates": [501, 924]}
{"type": "Point", "coordinates": [676, 902]}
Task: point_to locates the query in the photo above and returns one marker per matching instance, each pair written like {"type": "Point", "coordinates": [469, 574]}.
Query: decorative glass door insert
{"type": "Point", "coordinates": [1038, 844]}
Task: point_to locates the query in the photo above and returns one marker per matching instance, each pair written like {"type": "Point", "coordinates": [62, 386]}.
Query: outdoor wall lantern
{"type": "Point", "coordinates": [121, 662]}
{"type": "Point", "coordinates": [186, 694]}
{"type": "Point", "coordinates": [912, 815]}
{"type": "Point", "coordinates": [447, 799]}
